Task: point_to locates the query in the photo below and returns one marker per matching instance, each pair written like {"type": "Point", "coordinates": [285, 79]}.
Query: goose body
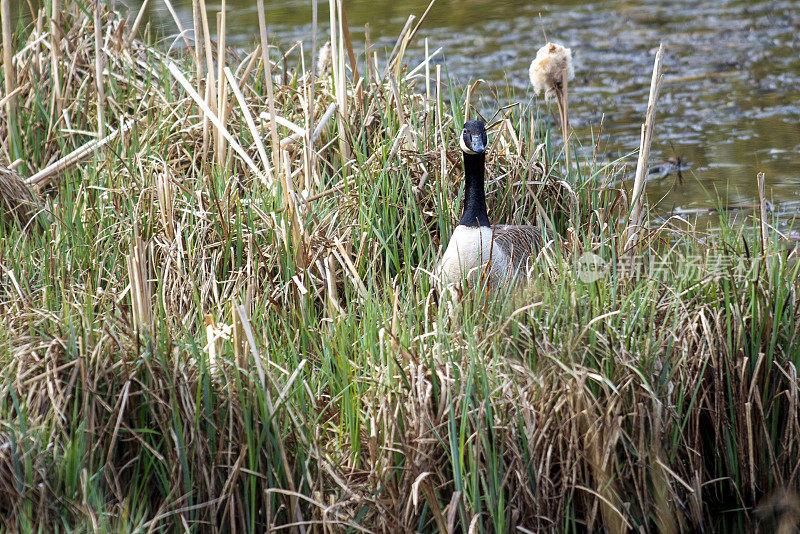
{"type": "Point", "coordinates": [504, 252]}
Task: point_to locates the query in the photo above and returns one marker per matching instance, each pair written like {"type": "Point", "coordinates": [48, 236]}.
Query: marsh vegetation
{"type": "Point", "coordinates": [223, 318]}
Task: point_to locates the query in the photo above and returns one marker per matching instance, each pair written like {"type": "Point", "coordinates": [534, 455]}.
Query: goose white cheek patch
{"type": "Point", "coordinates": [464, 146]}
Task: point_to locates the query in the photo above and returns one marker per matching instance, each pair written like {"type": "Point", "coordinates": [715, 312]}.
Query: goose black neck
{"type": "Point", "coordinates": [474, 194]}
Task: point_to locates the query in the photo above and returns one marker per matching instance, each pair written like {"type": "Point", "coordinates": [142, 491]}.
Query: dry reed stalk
{"type": "Point", "coordinates": [421, 20]}
{"type": "Point", "coordinates": [251, 125]}
{"type": "Point", "coordinates": [166, 202]}
{"type": "Point", "coordinates": [427, 79]}
{"type": "Point", "coordinates": [249, 65]}
{"type": "Point", "coordinates": [300, 133]}
{"type": "Point", "coordinates": [638, 195]}
{"type": "Point", "coordinates": [46, 175]}
{"type": "Point", "coordinates": [329, 275]}
{"type": "Point", "coordinates": [398, 45]}
{"type": "Point", "coordinates": [221, 85]}
{"type": "Point", "coordinates": [762, 205]}
{"type": "Point", "coordinates": [210, 86]}
{"type": "Point", "coordinates": [348, 43]}
{"type": "Point", "coordinates": [307, 105]}
{"type": "Point", "coordinates": [238, 338]}
{"type": "Point", "coordinates": [177, 21]}
{"type": "Point", "coordinates": [339, 76]}
{"type": "Point", "coordinates": [140, 289]}
{"type": "Point", "coordinates": [137, 21]}
{"type": "Point", "coordinates": [310, 161]}
{"type": "Point", "coordinates": [562, 98]}
{"type": "Point", "coordinates": [55, 51]}
{"type": "Point", "coordinates": [750, 449]}
{"type": "Point", "coordinates": [8, 66]}
{"type": "Point", "coordinates": [211, 116]}
{"type": "Point", "coordinates": [294, 215]}
{"type": "Point", "coordinates": [197, 23]}
{"type": "Point", "coordinates": [440, 128]}
{"type": "Point", "coordinates": [211, 344]}
{"type": "Point", "coordinates": [262, 31]}
{"type": "Point", "coordinates": [99, 59]}
{"type": "Point", "coordinates": [468, 97]}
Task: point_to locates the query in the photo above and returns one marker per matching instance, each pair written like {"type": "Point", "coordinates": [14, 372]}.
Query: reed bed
{"type": "Point", "coordinates": [224, 319]}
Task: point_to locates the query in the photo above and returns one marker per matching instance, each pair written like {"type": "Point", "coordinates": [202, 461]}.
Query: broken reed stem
{"type": "Point", "coordinates": [635, 220]}
{"type": "Point", "coordinates": [98, 71]}
{"type": "Point", "coordinates": [763, 209]}
{"type": "Point", "coordinates": [141, 293]}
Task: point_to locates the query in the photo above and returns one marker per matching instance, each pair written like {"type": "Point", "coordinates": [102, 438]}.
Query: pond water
{"type": "Point", "coordinates": [729, 107]}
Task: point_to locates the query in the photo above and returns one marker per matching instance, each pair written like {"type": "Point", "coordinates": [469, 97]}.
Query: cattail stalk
{"type": "Point", "coordinates": [179, 25]}
{"type": "Point", "coordinates": [210, 88]}
{"type": "Point", "coordinates": [427, 79]}
{"type": "Point", "coordinates": [550, 72]}
{"type": "Point", "coordinates": [141, 291]}
{"type": "Point", "coordinates": [262, 28]}
{"type": "Point", "coordinates": [337, 67]}
{"type": "Point", "coordinates": [563, 109]}
{"type": "Point", "coordinates": [136, 22]}
{"type": "Point", "coordinates": [10, 77]}
{"type": "Point", "coordinates": [635, 220]}
{"type": "Point", "coordinates": [55, 50]}
{"type": "Point", "coordinates": [98, 71]}
{"type": "Point", "coordinates": [310, 156]}
{"type": "Point", "coordinates": [197, 22]}
{"type": "Point", "coordinates": [221, 84]}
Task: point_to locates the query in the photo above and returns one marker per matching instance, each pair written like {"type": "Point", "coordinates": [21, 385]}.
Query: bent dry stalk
{"type": "Point", "coordinates": [638, 196]}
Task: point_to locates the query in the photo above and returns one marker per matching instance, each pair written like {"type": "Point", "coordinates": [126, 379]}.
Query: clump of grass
{"type": "Point", "coordinates": [247, 337]}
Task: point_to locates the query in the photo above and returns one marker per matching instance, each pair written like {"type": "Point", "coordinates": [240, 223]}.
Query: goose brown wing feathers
{"type": "Point", "coordinates": [520, 243]}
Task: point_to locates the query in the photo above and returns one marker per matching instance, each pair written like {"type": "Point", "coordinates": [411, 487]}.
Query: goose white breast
{"type": "Point", "coordinates": [469, 250]}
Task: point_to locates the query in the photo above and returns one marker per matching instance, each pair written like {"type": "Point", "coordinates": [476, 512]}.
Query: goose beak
{"type": "Point", "coordinates": [477, 144]}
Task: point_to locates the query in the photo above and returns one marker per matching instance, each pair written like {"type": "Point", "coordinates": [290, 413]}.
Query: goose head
{"type": "Point", "coordinates": [473, 138]}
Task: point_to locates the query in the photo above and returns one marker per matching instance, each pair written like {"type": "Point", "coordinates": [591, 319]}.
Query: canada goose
{"type": "Point", "coordinates": [505, 250]}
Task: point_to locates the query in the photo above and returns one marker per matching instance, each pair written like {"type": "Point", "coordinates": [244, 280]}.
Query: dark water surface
{"type": "Point", "coordinates": [729, 108]}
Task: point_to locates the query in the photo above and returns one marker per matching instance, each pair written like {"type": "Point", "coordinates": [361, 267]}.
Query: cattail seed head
{"type": "Point", "coordinates": [547, 69]}
{"type": "Point", "coordinates": [324, 59]}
